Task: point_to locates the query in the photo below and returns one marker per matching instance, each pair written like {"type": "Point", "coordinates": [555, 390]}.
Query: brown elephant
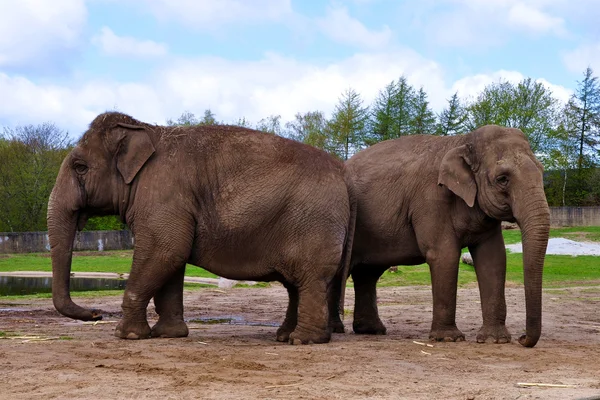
{"type": "Point", "coordinates": [424, 198]}
{"type": "Point", "coordinates": [242, 204]}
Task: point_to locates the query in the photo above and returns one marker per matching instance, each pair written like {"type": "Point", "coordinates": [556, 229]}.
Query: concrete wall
{"type": "Point", "coordinates": [574, 216]}
{"type": "Point", "coordinates": [37, 242]}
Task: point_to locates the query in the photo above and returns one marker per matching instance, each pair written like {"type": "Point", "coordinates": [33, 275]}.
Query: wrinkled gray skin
{"type": "Point", "coordinates": [240, 203]}
{"type": "Point", "coordinates": [424, 198]}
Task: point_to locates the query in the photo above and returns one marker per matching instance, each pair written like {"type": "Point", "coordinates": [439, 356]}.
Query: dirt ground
{"type": "Point", "coordinates": [236, 355]}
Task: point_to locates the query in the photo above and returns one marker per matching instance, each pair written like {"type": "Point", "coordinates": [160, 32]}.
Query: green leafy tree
{"type": "Point", "coordinates": [309, 128]}
{"type": "Point", "coordinates": [423, 119]}
{"type": "Point", "coordinates": [30, 157]}
{"type": "Point", "coordinates": [528, 106]}
{"type": "Point", "coordinates": [348, 125]}
{"type": "Point", "coordinates": [243, 122]}
{"type": "Point", "coordinates": [452, 120]}
{"type": "Point", "coordinates": [271, 124]}
{"type": "Point", "coordinates": [188, 118]}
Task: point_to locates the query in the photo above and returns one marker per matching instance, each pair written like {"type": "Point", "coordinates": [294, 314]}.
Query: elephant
{"type": "Point", "coordinates": [243, 204]}
{"type": "Point", "coordinates": [424, 198]}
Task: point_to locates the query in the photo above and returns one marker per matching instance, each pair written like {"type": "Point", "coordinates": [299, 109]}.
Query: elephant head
{"type": "Point", "coordinates": [94, 179]}
{"type": "Point", "coordinates": [497, 171]}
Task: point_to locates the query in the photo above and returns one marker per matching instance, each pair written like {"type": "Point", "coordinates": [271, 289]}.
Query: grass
{"type": "Point", "coordinates": [117, 261]}
{"type": "Point", "coordinates": [558, 270]}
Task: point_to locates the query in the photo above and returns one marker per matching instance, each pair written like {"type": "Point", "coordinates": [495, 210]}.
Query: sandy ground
{"type": "Point", "coordinates": [240, 359]}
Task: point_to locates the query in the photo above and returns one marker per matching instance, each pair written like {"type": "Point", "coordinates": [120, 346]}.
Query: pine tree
{"type": "Point", "coordinates": [423, 120]}
{"type": "Point", "coordinates": [584, 107]}
{"type": "Point", "coordinates": [347, 127]}
{"type": "Point", "coordinates": [453, 118]}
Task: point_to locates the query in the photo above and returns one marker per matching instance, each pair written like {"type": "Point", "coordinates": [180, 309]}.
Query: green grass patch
{"type": "Point", "coordinates": [577, 233]}
{"type": "Point", "coordinates": [119, 262]}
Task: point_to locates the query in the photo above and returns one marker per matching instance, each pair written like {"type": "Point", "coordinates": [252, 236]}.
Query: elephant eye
{"type": "Point", "coordinates": [80, 168]}
{"type": "Point", "coordinates": [502, 180]}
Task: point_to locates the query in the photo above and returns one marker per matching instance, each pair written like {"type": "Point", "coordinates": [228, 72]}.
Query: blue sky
{"type": "Point", "coordinates": [65, 61]}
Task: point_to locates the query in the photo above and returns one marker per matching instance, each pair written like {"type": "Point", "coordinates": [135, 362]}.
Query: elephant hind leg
{"type": "Point", "coordinates": [335, 322]}
{"type": "Point", "coordinates": [291, 316]}
{"type": "Point", "coordinates": [169, 307]}
{"type": "Point", "coordinates": [313, 311]}
{"type": "Point", "coordinates": [366, 316]}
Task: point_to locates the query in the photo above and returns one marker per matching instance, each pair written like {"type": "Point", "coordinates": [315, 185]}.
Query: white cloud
{"type": "Point", "coordinates": [489, 22]}
{"type": "Point", "coordinates": [469, 87]}
{"type": "Point", "coordinates": [526, 17]}
{"type": "Point", "coordinates": [207, 14]}
{"type": "Point", "coordinates": [583, 56]}
{"type": "Point", "coordinates": [341, 27]}
{"type": "Point", "coordinates": [114, 45]}
{"type": "Point", "coordinates": [33, 30]}
{"type": "Point", "coordinates": [73, 108]}
{"type": "Point", "coordinates": [233, 89]}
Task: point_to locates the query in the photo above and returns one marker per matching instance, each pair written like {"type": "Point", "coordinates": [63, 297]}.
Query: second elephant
{"type": "Point", "coordinates": [423, 198]}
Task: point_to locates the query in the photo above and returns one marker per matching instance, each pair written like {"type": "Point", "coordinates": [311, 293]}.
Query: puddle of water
{"type": "Point", "coordinates": [17, 285]}
{"type": "Point", "coordinates": [230, 320]}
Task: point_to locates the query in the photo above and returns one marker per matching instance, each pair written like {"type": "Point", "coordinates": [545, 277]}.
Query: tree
{"type": "Point", "coordinates": [271, 124]}
{"type": "Point", "coordinates": [208, 118]}
{"type": "Point", "coordinates": [452, 119]}
{"type": "Point", "coordinates": [584, 108]}
{"type": "Point", "coordinates": [348, 125]}
{"type": "Point", "coordinates": [393, 111]}
{"type": "Point", "coordinates": [528, 106]}
{"type": "Point", "coordinates": [423, 119]}
{"type": "Point", "coordinates": [30, 156]}
{"type": "Point", "coordinates": [309, 128]}
{"type": "Point", "coordinates": [243, 123]}
{"type": "Point", "coordinates": [188, 118]}
{"type": "Point", "coordinates": [559, 158]}
{"type": "Point", "coordinates": [383, 115]}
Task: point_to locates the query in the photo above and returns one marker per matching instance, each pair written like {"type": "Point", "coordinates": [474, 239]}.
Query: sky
{"type": "Point", "coordinates": [66, 61]}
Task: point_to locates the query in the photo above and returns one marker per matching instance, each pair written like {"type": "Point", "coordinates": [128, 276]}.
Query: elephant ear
{"type": "Point", "coordinates": [457, 175]}
{"type": "Point", "coordinates": [135, 148]}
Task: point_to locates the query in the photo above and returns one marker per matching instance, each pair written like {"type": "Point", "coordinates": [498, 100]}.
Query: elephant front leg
{"type": "Point", "coordinates": [291, 316]}
{"type": "Point", "coordinates": [366, 316]}
{"type": "Point", "coordinates": [156, 260]}
{"type": "Point", "coordinates": [489, 258]}
{"type": "Point", "coordinates": [443, 265]}
{"type": "Point", "coordinates": [169, 306]}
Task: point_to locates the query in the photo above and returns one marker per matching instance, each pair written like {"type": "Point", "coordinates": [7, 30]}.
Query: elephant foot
{"type": "Point", "coordinates": [303, 336]}
{"type": "Point", "coordinates": [283, 333]}
{"type": "Point", "coordinates": [369, 327]}
{"type": "Point", "coordinates": [447, 334]}
{"type": "Point", "coordinates": [172, 328]}
{"type": "Point", "coordinates": [337, 326]}
{"type": "Point", "coordinates": [498, 333]}
{"type": "Point", "coordinates": [128, 330]}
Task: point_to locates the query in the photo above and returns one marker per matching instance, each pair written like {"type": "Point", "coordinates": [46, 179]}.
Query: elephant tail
{"type": "Point", "coordinates": [346, 262]}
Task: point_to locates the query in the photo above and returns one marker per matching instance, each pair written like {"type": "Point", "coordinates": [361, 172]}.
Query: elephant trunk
{"type": "Point", "coordinates": [62, 226]}
{"type": "Point", "coordinates": [533, 216]}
